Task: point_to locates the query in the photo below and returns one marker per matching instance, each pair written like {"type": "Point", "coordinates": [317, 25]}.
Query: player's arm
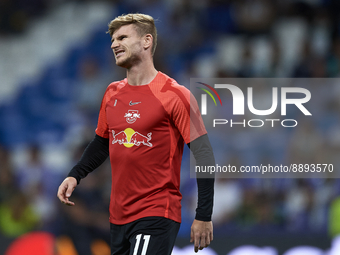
{"type": "Point", "coordinates": [187, 118]}
{"type": "Point", "coordinates": [94, 155]}
{"type": "Point", "coordinates": [202, 228]}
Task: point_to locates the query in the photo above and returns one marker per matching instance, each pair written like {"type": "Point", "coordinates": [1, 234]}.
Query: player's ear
{"type": "Point", "coordinates": [148, 39]}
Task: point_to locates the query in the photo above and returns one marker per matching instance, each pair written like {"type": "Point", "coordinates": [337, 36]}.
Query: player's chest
{"type": "Point", "coordinates": [140, 111]}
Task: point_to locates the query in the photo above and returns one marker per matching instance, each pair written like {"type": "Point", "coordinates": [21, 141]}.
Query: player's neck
{"type": "Point", "coordinates": [141, 74]}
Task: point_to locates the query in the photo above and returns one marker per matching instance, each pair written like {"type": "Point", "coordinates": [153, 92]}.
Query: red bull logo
{"type": "Point", "coordinates": [131, 116]}
{"type": "Point", "coordinates": [130, 137]}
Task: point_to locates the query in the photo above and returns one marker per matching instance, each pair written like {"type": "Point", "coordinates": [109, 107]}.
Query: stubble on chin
{"type": "Point", "coordinates": [128, 62]}
{"type": "Point", "coordinates": [122, 63]}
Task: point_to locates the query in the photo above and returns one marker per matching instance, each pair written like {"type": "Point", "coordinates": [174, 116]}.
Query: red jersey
{"type": "Point", "coordinates": [147, 126]}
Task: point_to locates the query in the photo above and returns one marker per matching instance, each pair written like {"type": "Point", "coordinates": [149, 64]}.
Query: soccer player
{"type": "Point", "coordinates": [143, 123]}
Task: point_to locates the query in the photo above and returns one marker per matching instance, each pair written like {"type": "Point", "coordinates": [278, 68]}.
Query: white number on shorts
{"type": "Point", "coordinates": [145, 246]}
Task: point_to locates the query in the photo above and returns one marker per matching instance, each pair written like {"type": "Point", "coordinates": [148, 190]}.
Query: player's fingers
{"type": "Point", "coordinates": [197, 238]}
{"type": "Point", "coordinates": [69, 191]}
{"type": "Point", "coordinates": [211, 236]}
{"type": "Point", "coordinates": [68, 202]}
{"type": "Point", "coordinates": [61, 193]}
{"type": "Point", "coordinates": [203, 241]}
{"type": "Point", "coordinates": [68, 194]}
{"type": "Point", "coordinates": [191, 236]}
{"type": "Point", "coordinates": [207, 240]}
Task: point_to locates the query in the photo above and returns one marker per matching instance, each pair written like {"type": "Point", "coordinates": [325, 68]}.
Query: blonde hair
{"type": "Point", "coordinates": [143, 23]}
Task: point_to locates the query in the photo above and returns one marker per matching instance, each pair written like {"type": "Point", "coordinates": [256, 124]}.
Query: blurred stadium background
{"type": "Point", "coordinates": [56, 62]}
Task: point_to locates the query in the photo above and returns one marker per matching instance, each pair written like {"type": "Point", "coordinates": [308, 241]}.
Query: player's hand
{"type": "Point", "coordinates": [201, 234]}
{"type": "Point", "coordinates": [65, 190]}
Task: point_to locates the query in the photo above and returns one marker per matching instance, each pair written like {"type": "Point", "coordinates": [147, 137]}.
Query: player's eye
{"type": "Point", "coordinates": [119, 38]}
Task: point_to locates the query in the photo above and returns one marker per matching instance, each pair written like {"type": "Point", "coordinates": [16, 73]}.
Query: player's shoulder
{"type": "Point", "coordinates": [172, 87]}
{"type": "Point", "coordinates": [114, 88]}
{"type": "Point", "coordinates": [116, 85]}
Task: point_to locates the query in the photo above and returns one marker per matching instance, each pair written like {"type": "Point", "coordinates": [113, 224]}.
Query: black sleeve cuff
{"type": "Point", "coordinates": [94, 155]}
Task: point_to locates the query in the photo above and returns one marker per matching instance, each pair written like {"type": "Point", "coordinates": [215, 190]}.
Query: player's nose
{"type": "Point", "coordinates": [114, 45]}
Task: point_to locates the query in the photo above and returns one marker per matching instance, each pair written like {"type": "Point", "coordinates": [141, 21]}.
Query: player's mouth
{"type": "Point", "coordinates": [119, 53]}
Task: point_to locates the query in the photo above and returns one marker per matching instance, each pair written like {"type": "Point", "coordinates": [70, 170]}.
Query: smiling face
{"type": "Point", "coordinates": [127, 46]}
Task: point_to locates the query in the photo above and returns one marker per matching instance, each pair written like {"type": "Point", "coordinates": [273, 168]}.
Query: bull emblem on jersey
{"type": "Point", "coordinates": [130, 137]}
{"type": "Point", "coordinates": [119, 138]}
{"type": "Point", "coordinates": [131, 116]}
{"type": "Point", "coordinates": [138, 139]}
